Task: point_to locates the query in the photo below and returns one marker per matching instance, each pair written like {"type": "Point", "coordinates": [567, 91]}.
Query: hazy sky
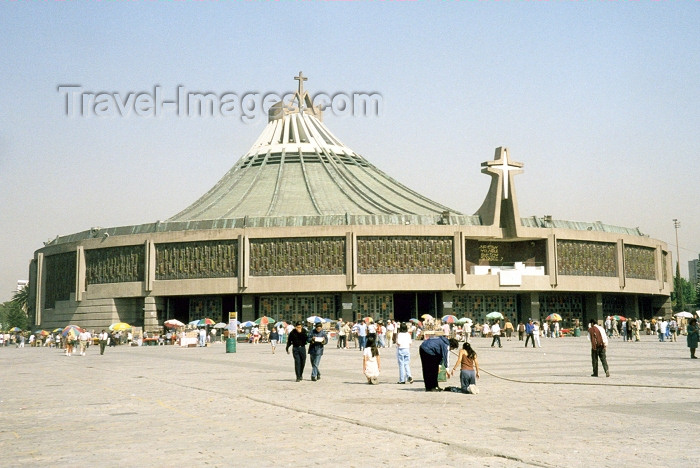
{"type": "Point", "coordinates": [599, 99]}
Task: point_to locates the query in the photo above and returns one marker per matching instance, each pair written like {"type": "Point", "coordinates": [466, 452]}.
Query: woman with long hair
{"type": "Point", "coordinates": [371, 363]}
{"type": "Point", "coordinates": [469, 365]}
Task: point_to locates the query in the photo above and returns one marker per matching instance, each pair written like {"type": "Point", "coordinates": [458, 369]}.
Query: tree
{"type": "Point", "coordinates": [685, 294]}
{"type": "Point", "coordinates": [12, 315]}
{"type": "Point", "coordinates": [14, 312]}
{"type": "Point", "coordinates": [678, 286]}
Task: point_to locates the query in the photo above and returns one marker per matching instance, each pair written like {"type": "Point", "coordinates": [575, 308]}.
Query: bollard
{"type": "Point", "coordinates": [231, 345]}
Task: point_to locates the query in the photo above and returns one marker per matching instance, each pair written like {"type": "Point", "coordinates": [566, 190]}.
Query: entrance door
{"type": "Point", "coordinates": [428, 304]}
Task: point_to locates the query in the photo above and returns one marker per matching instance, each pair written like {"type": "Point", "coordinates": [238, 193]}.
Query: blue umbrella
{"type": "Point", "coordinates": [248, 324]}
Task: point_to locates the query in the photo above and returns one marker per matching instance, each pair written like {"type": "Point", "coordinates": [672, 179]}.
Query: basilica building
{"type": "Point", "coordinates": [303, 225]}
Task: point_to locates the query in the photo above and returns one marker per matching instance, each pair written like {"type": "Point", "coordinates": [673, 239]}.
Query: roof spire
{"type": "Point", "coordinates": [301, 94]}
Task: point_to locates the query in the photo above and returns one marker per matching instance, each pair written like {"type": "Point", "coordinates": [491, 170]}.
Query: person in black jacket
{"type": "Point", "coordinates": [297, 340]}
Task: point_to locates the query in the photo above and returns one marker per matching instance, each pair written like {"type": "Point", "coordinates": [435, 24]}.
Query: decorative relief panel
{"type": "Point", "coordinates": [404, 255]}
{"type": "Point", "coordinates": [583, 258]}
{"type": "Point", "coordinates": [60, 278]}
{"type": "Point", "coordinates": [476, 306]}
{"type": "Point", "coordinates": [288, 307]}
{"type": "Point", "coordinates": [114, 264]}
{"type": "Point", "coordinates": [665, 263]}
{"type": "Point", "coordinates": [203, 259]}
{"type": "Point", "coordinates": [376, 306]}
{"type": "Point", "coordinates": [205, 307]}
{"type": "Point", "coordinates": [569, 306]}
{"type": "Point", "coordinates": [300, 256]}
{"type": "Point", "coordinates": [639, 262]}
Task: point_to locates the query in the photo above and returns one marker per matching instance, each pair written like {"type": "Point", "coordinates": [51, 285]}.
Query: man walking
{"type": "Point", "coordinates": [318, 340]}
{"type": "Point", "coordinates": [496, 333]}
{"type": "Point", "coordinates": [297, 340]}
{"type": "Point", "coordinates": [529, 330]}
{"type": "Point", "coordinates": [103, 341]}
{"type": "Point", "coordinates": [599, 341]}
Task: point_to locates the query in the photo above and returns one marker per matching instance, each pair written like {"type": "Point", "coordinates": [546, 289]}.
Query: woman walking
{"type": "Point", "coordinates": [403, 354]}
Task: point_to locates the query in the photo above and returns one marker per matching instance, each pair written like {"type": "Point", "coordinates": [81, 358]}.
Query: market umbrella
{"type": "Point", "coordinates": [41, 332]}
{"type": "Point", "coordinates": [173, 323]}
{"type": "Point", "coordinates": [264, 320]}
{"type": "Point", "coordinates": [220, 325]}
{"type": "Point", "coordinates": [16, 329]}
{"type": "Point", "coordinates": [368, 319]}
{"type": "Point", "coordinates": [120, 326]}
{"type": "Point", "coordinates": [464, 320]}
{"type": "Point", "coordinates": [619, 318]}
{"type": "Point", "coordinates": [554, 318]}
{"type": "Point", "coordinates": [449, 319]}
{"type": "Point", "coordinates": [76, 330]}
{"type": "Point", "coordinates": [684, 314]}
{"type": "Point", "coordinates": [205, 321]}
{"type": "Point", "coordinates": [426, 317]}
{"type": "Point", "coordinates": [56, 330]}
{"type": "Point", "coordinates": [248, 324]}
{"type": "Point", "coordinates": [494, 315]}
{"type": "Point", "coordinates": [314, 319]}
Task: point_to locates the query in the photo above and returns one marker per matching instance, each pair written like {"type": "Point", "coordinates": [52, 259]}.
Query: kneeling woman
{"type": "Point", "coordinates": [469, 370]}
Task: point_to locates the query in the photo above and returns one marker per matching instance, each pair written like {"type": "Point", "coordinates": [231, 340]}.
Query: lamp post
{"type": "Point", "coordinates": [679, 284]}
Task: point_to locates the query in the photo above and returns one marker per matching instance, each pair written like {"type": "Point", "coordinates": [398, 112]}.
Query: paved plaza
{"type": "Point", "coordinates": [171, 406]}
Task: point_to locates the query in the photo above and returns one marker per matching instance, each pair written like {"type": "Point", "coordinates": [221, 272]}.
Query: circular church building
{"type": "Point", "coordinates": [302, 225]}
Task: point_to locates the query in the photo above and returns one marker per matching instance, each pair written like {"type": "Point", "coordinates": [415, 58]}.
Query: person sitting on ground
{"type": "Point", "coordinates": [469, 366]}
{"type": "Point", "coordinates": [371, 362]}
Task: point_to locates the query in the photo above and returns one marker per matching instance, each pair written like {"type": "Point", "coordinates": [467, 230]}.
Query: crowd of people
{"type": "Point", "coordinates": [438, 342]}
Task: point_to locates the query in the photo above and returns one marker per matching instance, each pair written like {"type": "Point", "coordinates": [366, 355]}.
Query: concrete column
{"type": "Point", "coordinates": [447, 303]}
{"type": "Point", "coordinates": [621, 263]}
{"type": "Point", "coordinates": [593, 308]}
{"type": "Point", "coordinates": [80, 274]}
{"type": "Point", "coordinates": [150, 266]}
{"type": "Point", "coordinates": [350, 259]}
{"type": "Point", "coordinates": [458, 260]}
{"type": "Point", "coordinates": [531, 306]}
{"type": "Point", "coordinates": [631, 306]}
{"type": "Point", "coordinates": [551, 259]}
{"type": "Point", "coordinates": [346, 307]}
{"type": "Point", "coordinates": [40, 286]}
{"type": "Point", "coordinates": [247, 308]}
{"type": "Point", "coordinates": [150, 314]}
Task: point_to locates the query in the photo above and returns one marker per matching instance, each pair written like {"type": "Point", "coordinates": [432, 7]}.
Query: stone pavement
{"type": "Point", "coordinates": [170, 406]}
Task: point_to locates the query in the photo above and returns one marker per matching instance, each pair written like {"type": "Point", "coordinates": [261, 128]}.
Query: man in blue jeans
{"type": "Point", "coordinates": [317, 340]}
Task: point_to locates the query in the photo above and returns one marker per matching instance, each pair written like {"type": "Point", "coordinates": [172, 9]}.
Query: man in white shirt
{"type": "Point", "coordinates": [496, 333]}
{"type": "Point", "coordinates": [83, 337]}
